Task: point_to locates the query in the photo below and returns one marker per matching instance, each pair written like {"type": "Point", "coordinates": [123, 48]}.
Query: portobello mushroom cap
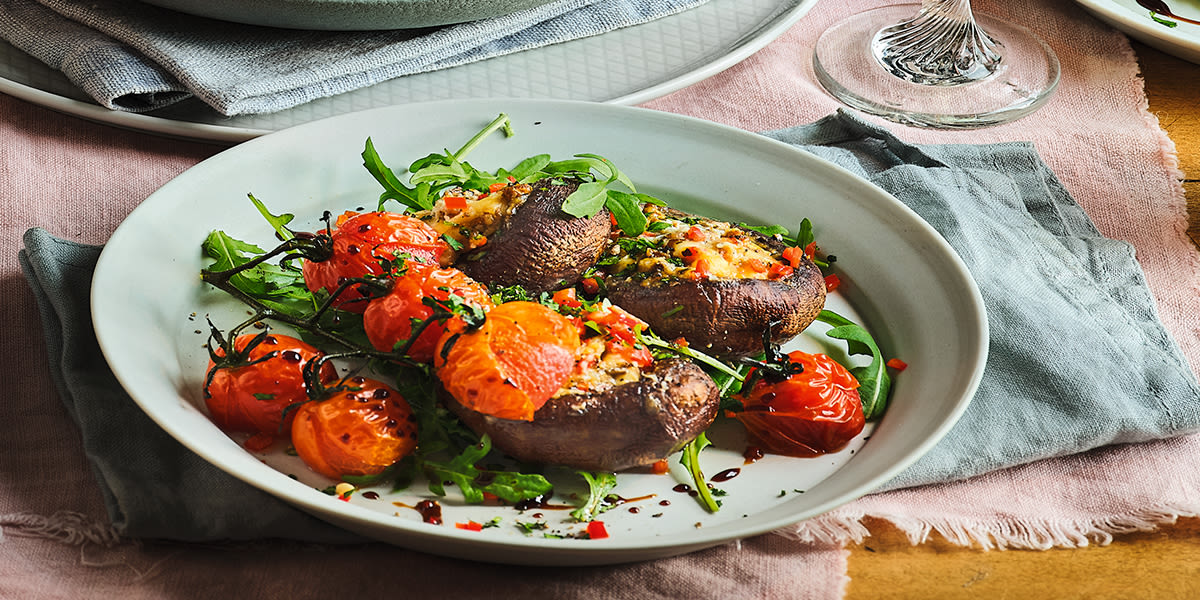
{"type": "Point", "coordinates": [725, 317]}
{"type": "Point", "coordinates": [540, 247]}
{"type": "Point", "coordinates": [632, 424]}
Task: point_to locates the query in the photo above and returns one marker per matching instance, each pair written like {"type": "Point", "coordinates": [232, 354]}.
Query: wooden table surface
{"type": "Point", "coordinates": [1161, 564]}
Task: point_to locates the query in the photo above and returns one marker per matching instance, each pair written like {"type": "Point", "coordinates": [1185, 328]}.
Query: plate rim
{"type": "Point", "coordinates": [1144, 29]}
{"type": "Point", "coordinates": [597, 551]}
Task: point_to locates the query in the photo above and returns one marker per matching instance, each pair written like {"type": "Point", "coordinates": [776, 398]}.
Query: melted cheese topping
{"type": "Point", "coordinates": [483, 215]}
{"type": "Point", "coordinates": [597, 370]}
{"type": "Point", "coordinates": [691, 248]}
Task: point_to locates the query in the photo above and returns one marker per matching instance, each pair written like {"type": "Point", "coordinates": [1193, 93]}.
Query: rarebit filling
{"type": "Point", "coordinates": [468, 217]}
{"type": "Point", "coordinates": [598, 369]}
{"type": "Point", "coordinates": [677, 246]}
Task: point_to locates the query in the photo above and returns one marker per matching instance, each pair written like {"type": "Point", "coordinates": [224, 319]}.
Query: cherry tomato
{"type": "Point", "coordinates": [513, 364]}
{"type": "Point", "coordinates": [390, 319]}
{"type": "Point", "coordinates": [357, 432]}
{"type": "Point", "coordinates": [252, 398]}
{"type": "Point", "coordinates": [361, 241]}
{"type": "Point", "coordinates": [807, 414]}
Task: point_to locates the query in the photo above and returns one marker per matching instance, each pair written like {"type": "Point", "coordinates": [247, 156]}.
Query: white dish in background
{"type": "Point", "coordinates": [626, 66]}
{"type": "Point", "coordinates": [900, 278]}
{"type": "Point", "coordinates": [1183, 40]}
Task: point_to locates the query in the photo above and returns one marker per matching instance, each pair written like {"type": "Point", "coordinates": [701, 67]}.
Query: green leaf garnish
{"type": "Point", "coordinates": [393, 188]}
{"type": "Point", "coordinates": [874, 383]}
{"type": "Point", "coordinates": [599, 486]}
{"type": "Point", "coordinates": [473, 482]}
{"type": "Point", "coordinates": [278, 222]}
{"type": "Point", "coordinates": [586, 200]}
{"type": "Point", "coordinates": [627, 209]}
{"type": "Point", "coordinates": [690, 459]}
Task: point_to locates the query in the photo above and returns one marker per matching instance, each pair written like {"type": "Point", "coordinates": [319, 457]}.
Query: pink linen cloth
{"type": "Point", "coordinates": [1099, 138]}
{"type": "Point", "coordinates": [78, 180]}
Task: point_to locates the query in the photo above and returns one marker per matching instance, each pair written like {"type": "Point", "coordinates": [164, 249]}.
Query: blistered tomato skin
{"type": "Point", "coordinates": [513, 364]}
{"type": "Point", "coordinates": [357, 432]}
{"type": "Point", "coordinates": [361, 241]}
{"type": "Point", "coordinates": [252, 398]}
{"type": "Point", "coordinates": [809, 414]}
{"type": "Point", "coordinates": [389, 320]}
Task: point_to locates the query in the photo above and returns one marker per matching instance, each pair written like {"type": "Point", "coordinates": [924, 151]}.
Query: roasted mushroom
{"type": "Point", "coordinates": [628, 425]}
{"type": "Point", "coordinates": [716, 285]}
{"type": "Point", "coordinates": [519, 234]}
{"type": "Point", "coordinates": [614, 407]}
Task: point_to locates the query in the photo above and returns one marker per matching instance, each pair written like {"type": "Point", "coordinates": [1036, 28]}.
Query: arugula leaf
{"type": "Point", "coordinates": [280, 287]}
{"type": "Point", "coordinates": [528, 169]}
{"type": "Point", "coordinates": [804, 236]}
{"type": "Point", "coordinates": [653, 341]}
{"type": "Point", "coordinates": [627, 208]}
{"type": "Point", "coordinates": [278, 222]}
{"type": "Point", "coordinates": [599, 485]}
{"type": "Point", "coordinates": [874, 383]}
{"type": "Point", "coordinates": [586, 200]}
{"type": "Point", "coordinates": [690, 458]}
{"type": "Point", "coordinates": [473, 482]}
{"type": "Point", "coordinates": [452, 171]}
{"type": "Point", "coordinates": [767, 230]}
{"type": "Point", "coordinates": [393, 188]}
{"type": "Point", "coordinates": [608, 170]}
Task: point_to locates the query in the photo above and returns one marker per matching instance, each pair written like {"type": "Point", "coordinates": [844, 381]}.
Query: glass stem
{"type": "Point", "coordinates": [942, 45]}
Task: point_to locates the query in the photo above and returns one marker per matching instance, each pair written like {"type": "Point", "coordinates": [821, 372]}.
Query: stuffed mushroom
{"type": "Point", "coordinates": [518, 234]}
{"type": "Point", "coordinates": [617, 406]}
{"type": "Point", "coordinates": [716, 285]}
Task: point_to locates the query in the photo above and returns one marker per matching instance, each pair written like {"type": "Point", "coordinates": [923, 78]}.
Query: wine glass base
{"type": "Point", "coordinates": [846, 68]}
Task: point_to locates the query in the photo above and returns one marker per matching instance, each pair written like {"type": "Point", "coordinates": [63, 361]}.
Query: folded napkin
{"type": "Point", "coordinates": [137, 57]}
{"type": "Point", "coordinates": [1077, 358]}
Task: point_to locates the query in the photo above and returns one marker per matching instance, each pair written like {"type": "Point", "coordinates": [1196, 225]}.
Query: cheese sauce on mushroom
{"type": "Point", "coordinates": [470, 216]}
{"type": "Point", "coordinates": [674, 247]}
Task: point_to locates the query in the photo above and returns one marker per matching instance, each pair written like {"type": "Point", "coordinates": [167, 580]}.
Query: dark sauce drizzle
{"type": "Point", "coordinates": [1160, 7]}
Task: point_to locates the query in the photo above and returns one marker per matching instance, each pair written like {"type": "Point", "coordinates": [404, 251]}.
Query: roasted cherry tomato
{"type": "Point", "coordinates": [357, 432]}
{"type": "Point", "coordinates": [361, 241]}
{"type": "Point", "coordinates": [390, 319]}
{"type": "Point", "coordinates": [252, 398]}
{"type": "Point", "coordinates": [513, 364]}
{"type": "Point", "coordinates": [807, 414]}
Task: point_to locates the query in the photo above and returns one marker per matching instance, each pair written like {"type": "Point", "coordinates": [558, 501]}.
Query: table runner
{"type": "Point", "coordinates": [1123, 140]}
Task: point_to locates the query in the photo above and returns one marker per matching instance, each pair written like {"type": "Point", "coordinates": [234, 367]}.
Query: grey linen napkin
{"type": "Point", "coordinates": [137, 57]}
{"type": "Point", "coordinates": [1078, 358]}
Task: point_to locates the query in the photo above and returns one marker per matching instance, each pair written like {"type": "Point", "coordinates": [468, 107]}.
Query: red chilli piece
{"type": "Point", "coordinates": [470, 526]}
{"type": "Point", "coordinates": [794, 255]}
{"type": "Point", "coordinates": [832, 281]}
{"type": "Point", "coordinates": [596, 530]}
{"type": "Point", "coordinates": [897, 364]}
{"type": "Point", "coordinates": [779, 270]}
{"type": "Point", "coordinates": [566, 297]}
{"type": "Point", "coordinates": [455, 202]}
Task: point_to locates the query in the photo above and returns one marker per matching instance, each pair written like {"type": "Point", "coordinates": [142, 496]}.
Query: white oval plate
{"type": "Point", "coordinates": [900, 278]}
{"type": "Point", "coordinates": [1183, 40]}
